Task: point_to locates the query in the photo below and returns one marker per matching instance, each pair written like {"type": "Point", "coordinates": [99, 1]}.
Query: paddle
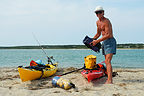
{"type": "Point", "coordinates": [71, 71]}
{"type": "Point", "coordinates": [83, 68]}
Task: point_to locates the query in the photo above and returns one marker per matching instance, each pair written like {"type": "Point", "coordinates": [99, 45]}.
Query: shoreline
{"type": "Point", "coordinates": [80, 67]}
{"type": "Point", "coordinates": [65, 48]}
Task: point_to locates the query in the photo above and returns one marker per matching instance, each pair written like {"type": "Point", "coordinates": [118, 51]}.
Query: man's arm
{"type": "Point", "coordinates": [98, 33]}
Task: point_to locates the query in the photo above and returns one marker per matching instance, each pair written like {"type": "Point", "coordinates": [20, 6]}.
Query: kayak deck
{"type": "Point", "coordinates": [27, 74]}
{"type": "Point", "coordinates": [92, 74]}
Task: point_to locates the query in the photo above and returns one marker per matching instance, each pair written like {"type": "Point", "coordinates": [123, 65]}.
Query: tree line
{"type": "Point", "coordinates": [125, 46]}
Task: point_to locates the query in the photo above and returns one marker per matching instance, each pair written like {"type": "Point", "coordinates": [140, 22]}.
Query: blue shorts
{"type": "Point", "coordinates": [109, 46]}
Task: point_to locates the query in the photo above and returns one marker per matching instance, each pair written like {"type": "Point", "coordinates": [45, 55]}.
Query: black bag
{"type": "Point", "coordinates": [87, 40]}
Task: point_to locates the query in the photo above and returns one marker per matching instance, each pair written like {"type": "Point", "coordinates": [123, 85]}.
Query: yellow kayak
{"type": "Point", "coordinates": [27, 74]}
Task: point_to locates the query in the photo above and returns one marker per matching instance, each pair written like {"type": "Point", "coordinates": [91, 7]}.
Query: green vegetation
{"type": "Point", "coordinates": [125, 46]}
{"type": "Point", "coordinates": [48, 47]}
{"type": "Point", "coordinates": [130, 45]}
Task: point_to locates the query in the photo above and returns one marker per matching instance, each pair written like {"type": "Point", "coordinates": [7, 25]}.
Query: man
{"type": "Point", "coordinates": [104, 27]}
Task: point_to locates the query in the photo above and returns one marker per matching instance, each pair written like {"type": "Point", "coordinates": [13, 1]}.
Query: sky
{"type": "Point", "coordinates": [67, 22]}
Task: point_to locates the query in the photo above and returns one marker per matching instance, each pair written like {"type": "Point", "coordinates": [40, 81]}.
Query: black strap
{"type": "Point", "coordinates": [73, 85]}
{"type": "Point", "coordinates": [42, 74]}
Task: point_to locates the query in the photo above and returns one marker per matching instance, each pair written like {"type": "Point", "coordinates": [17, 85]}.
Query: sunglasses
{"type": "Point", "coordinates": [98, 12]}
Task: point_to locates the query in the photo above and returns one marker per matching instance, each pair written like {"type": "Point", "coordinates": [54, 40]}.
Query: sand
{"type": "Point", "coordinates": [128, 82]}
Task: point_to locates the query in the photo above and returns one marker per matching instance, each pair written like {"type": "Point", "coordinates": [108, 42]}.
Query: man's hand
{"type": "Point", "coordinates": [94, 42]}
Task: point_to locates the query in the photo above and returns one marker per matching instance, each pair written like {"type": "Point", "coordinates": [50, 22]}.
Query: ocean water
{"type": "Point", "coordinates": [125, 58]}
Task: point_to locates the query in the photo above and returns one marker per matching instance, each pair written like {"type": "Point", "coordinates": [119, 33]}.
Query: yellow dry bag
{"type": "Point", "coordinates": [90, 61]}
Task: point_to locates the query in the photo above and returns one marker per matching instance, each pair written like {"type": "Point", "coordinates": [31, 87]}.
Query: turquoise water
{"type": "Point", "coordinates": [132, 58]}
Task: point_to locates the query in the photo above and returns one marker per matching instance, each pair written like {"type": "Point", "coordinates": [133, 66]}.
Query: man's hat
{"type": "Point", "coordinates": [99, 8]}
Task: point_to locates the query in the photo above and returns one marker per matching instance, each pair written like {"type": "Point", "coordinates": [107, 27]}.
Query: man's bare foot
{"type": "Point", "coordinates": [108, 82]}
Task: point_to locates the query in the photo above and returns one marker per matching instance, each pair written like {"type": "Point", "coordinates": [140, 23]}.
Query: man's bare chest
{"type": "Point", "coordinates": [101, 26]}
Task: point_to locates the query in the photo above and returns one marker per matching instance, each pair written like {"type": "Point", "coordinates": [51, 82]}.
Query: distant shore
{"type": "Point", "coordinates": [119, 46]}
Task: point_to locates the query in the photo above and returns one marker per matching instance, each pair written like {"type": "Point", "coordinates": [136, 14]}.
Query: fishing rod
{"type": "Point", "coordinates": [49, 58]}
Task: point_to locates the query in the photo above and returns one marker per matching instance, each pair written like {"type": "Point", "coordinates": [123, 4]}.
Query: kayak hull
{"type": "Point", "coordinates": [94, 74]}
{"type": "Point", "coordinates": [32, 74]}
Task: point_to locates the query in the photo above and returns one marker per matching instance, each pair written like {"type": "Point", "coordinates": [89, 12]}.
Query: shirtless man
{"type": "Point", "coordinates": [104, 27]}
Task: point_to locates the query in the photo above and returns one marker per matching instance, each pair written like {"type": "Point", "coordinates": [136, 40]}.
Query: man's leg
{"type": "Point", "coordinates": [108, 59]}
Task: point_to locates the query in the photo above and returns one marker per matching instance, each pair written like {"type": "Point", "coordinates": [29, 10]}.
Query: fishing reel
{"type": "Point", "coordinates": [50, 60]}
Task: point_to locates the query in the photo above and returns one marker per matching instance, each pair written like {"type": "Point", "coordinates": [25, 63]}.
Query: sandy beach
{"type": "Point", "coordinates": [128, 82]}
